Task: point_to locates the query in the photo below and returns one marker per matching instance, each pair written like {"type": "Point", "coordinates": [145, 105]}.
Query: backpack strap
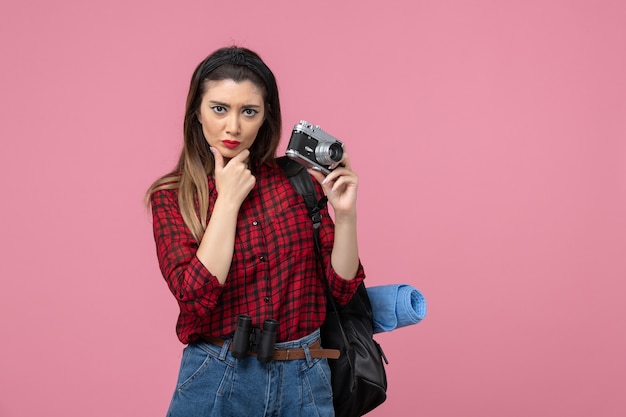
{"type": "Point", "coordinates": [303, 183]}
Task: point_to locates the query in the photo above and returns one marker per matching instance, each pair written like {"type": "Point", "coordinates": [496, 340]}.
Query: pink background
{"type": "Point", "coordinates": [490, 139]}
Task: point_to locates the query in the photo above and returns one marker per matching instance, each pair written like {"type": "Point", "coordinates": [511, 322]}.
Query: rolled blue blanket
{"type": "Point", "coordinates": [395, 306]}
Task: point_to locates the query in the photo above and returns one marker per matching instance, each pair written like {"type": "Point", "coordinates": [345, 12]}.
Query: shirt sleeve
{"type": "Point", "coordinates": [341, 289]}
{"type": "Point", "coordinates": [195, 288]}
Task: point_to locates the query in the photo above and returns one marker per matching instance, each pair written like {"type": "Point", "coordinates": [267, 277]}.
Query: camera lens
{"type": "Point", "coordinates": [328, 153]}
{"type": "Point", "coordinates": [335, 152]}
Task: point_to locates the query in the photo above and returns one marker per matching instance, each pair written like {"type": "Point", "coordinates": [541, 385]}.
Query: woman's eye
{"type": "Point", "coordinates": [219, 109]}
{"type": "Point", "coordinates": [250, 112]}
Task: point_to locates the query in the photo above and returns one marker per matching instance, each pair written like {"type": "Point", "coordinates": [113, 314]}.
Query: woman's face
{"type": "Point", "coordinates": [231, 114]}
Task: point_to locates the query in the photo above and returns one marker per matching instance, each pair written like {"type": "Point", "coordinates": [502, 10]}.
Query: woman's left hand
{"type": "Point", "coordinates": [340, 186]}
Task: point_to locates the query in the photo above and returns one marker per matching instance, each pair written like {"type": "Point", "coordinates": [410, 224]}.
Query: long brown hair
{"type": "Point", "coordinates": [196, 161]}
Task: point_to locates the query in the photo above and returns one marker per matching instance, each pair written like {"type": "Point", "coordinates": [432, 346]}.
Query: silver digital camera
{"type": "Point", "coordinates": [314, 148]}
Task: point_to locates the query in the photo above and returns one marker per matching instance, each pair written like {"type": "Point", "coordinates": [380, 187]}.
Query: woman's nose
{"type": "Point", "coordinates": [232, 124]}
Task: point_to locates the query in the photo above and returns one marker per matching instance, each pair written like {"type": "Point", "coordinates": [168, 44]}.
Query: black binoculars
{"type": "Point", "coordinates": [251, 339]}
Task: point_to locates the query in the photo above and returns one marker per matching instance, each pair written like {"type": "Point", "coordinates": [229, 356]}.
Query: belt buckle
{"type": "Point", "coordinates": [287, 355]}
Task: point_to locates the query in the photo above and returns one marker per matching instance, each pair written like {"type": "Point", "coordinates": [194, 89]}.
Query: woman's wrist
{"type": "Point", "coordinates": [345, 217]}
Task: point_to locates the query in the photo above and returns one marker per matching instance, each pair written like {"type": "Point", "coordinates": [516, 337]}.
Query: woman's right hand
{"type": "Point", "coordinates": [233, 179]}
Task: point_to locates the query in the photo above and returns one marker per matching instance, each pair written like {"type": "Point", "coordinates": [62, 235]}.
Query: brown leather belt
{"type": "Point", "coordinates": [286, 354]}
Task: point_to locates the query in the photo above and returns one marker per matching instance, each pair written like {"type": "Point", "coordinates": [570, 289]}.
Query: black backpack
{"type": "Point", "coordinates": [358, 377]}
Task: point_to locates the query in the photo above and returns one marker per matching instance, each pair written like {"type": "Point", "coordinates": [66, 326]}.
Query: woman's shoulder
{"type": "Point", "coordinates": [286, 168]}
{"type": "Point", "coordinates": [165, 187]}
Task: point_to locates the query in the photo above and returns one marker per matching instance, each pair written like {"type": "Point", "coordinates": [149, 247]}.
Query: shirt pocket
{"type": "Point", "coordinates": [293, 229]}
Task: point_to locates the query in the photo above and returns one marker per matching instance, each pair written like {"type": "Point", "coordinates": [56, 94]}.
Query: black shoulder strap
{"type": "Point", "coordinates": [303, 183]}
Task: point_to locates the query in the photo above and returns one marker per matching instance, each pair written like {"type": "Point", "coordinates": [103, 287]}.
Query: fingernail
{"type": "Point", "coordinates": [212, 149]}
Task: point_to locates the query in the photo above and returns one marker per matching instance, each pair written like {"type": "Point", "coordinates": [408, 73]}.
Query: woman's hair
{"type": "Point", "coordinates": [196, 161]}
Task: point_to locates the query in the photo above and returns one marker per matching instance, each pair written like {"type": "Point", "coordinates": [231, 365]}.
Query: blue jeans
{"type": "Point", "coordinates": [213, 383]}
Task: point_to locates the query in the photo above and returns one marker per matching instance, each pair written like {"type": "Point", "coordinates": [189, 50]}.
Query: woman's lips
{"type": "Point", "coordinates": [231, 144]}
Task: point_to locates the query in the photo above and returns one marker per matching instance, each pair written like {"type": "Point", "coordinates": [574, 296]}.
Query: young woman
{"type": "Point", "coordinates": [234, 238]}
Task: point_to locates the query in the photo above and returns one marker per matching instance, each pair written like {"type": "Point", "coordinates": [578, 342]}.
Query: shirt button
{"type": "Point", "coordinates": [255, 223]}
{"type": "Point", "coordinates": [266, 299]}
{"type": "Point", "coordinates": [262, 258]}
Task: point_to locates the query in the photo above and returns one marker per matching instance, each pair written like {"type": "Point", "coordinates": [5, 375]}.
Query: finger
{"type": "Point", "coordinates": [317, 175]}
{"type": "Point", "coordinates": [327, 185]}
{"type": "Point", "coordinates": [219, 159]}
{"type": "Point", "coordinates": [242, 156]}
{"type": "Point", "coordinates": [336, 174]}
{"type": "Point", "coordinates": [345, 161]}
{"type": "Point", "coordinates": [343, 181]}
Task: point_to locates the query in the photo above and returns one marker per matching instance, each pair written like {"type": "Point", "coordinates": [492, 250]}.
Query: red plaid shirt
{"type": "Point", "coordinates": [274, 271]}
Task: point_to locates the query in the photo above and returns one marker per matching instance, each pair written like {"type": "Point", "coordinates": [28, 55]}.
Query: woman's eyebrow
{"type": "Point", "coordinates": [219, 103]}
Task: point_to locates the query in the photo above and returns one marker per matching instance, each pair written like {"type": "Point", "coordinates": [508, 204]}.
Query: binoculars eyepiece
{"type": "Point", "coordinates": [248, 338]}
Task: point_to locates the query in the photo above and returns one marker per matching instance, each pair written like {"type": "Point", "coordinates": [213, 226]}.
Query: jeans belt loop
{"type": "Point", "coordinates": [224, 350]}
{"type": "Point", "coordinates": [307, 354]}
